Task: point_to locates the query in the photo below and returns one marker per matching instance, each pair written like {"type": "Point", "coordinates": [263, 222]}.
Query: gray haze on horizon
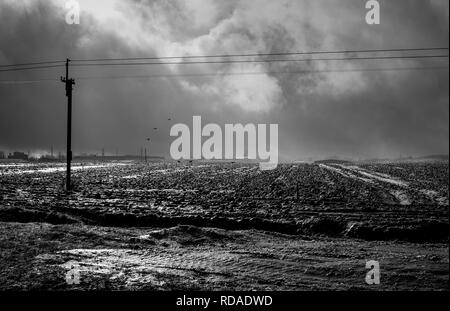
{"type": "Point", "coordinates": [351, 114]}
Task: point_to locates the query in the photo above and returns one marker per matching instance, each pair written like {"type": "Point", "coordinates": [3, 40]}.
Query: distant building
{"type": "Point", "coordinates": [47, 157]}
{"type": "Point", "coordinates": [2, 155]}
{"type": "Point", "coordinates": [18, 156]}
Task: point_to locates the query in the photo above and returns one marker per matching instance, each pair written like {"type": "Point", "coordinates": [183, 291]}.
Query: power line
{"type": "Point", "coordinates": [232, 61]}
{"type": "Point", "coordinates": [264, 54]}
{"type": "Point", "coordinates": [60, 63]}
{"type": "Point", "coordinates": [229, 74]}
{"type": "Point", "coordinates": [32, 64]}
{"type": "Point", "coordinates": [27, 81]}
{"type": "Point", "coordinates": [263, 60]}
{"type": "Point", "coordinates": [30, 68]}
{"type": "Point", "coordinates": [259, 73]}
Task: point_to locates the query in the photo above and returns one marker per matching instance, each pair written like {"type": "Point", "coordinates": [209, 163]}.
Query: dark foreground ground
{"type": "Point", "coordinates": [224, 226]}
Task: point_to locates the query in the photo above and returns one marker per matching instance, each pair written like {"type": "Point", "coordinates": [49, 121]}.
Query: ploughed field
{"type": "Point", "coordinates": [130, 225]}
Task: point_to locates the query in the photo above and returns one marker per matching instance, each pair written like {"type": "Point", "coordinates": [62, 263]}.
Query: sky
{"type": "Point", "coordinates": [321, 114]}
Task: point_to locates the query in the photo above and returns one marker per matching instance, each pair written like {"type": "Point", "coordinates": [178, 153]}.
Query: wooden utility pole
{"type": "Point", "coordinates": [69, 83]}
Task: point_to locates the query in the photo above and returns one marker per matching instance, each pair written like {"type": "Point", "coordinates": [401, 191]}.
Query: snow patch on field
{"type": "Point", "coordinates": [62, 169]}
{"type": "Point", "coordinates": [134, 176]}
{"type": "Point", "coordinates": [345, 174]}
{"type": "Point", "coordinates": [434, 196]}
{"type": "Point", "coordinates": [401, 197]}
{"type": "Point", "coordinates": [376, 176]}
{"type": "Point", "coordinates": [17, 165]}
{"type": "Point", "coordinates": [170, 190]}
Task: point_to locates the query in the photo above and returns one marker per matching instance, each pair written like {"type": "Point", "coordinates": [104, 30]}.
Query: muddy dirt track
{"type": "Point", "coordinates": [130, 225]}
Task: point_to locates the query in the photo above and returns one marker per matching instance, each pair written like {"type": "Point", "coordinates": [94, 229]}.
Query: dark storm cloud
{"type": "Point", "coordinates": [33, 116]}
{"type": "Point", "coordinates": [320, 114]}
